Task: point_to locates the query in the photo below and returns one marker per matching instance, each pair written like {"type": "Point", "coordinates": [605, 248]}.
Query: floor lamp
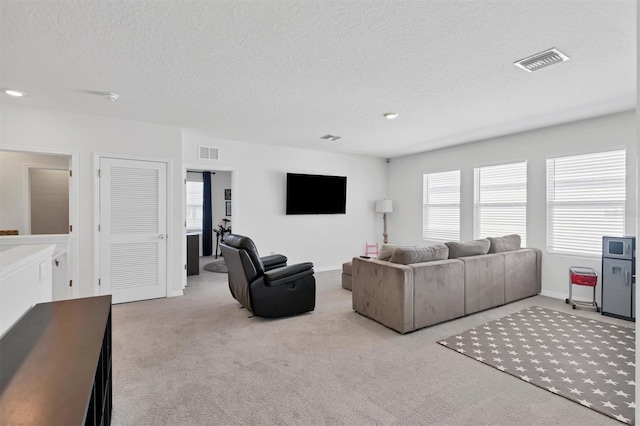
{"type": "Point", "coordinates": [384, 207]}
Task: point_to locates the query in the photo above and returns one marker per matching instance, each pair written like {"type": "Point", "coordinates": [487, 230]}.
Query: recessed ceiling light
{"type": "Point", "coordinates": [391, 115]}
{"type": "Point", "coordinates": [15, 93]}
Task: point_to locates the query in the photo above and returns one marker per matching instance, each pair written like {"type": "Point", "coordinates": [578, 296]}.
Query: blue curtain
{"type": "Point", "coordinates": [207, 216]}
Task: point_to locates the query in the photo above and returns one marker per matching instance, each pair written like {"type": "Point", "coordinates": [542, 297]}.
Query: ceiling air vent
{"type": "Point", "coordinates": [541, 60]}
{"type": "Point", "coordinates": [330, 137]}
{"type": "Point", "coordinates": [208, 153]}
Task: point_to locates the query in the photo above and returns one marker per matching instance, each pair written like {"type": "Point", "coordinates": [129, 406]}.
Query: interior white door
{"type": "Point", "coordinates": [133, 229]}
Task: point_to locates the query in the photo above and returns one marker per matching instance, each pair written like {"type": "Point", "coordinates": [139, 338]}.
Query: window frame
{"type": "Point", "coordinates": [188, 205]}
{"type": "Point", "coordinates": [478, 204]}
{"type": "Point", "coordinates": [603, 205]}
{"type": "Point", "coordinates": [426, 205]}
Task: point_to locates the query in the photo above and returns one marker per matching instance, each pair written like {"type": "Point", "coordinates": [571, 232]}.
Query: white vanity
{"type": "Point", "coordinates": [26, 274]}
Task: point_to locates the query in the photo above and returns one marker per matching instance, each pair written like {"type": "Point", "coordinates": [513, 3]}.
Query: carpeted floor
{"type": "Point", "coordinates": [585, 360]}
{"type": "Point", "coordinates": [199, 359]}
{"type": "Point", "coordinates": [217, 265]}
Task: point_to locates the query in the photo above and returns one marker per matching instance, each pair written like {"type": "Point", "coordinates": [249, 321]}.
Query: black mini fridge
{"type": "Point", "coordinates": [618, 280]}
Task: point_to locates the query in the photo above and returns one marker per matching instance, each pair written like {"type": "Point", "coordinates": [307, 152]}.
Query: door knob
{"type": "Point", "coordinates": [162, 236]}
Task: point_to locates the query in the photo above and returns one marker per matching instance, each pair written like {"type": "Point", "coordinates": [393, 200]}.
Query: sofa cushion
{"type": "Point", "coordinates": [506, 243]}
{"type": "Point", "coordinates": [347, 268]}
{"type": "Point", "coordinates": [386, 251]}
{"type": "Point", "coordinates": [409, 255]}
{"type": "Point", "coordinates": [468, 248]}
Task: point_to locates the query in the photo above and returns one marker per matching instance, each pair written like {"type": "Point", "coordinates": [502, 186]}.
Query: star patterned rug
{"type": "Point", "coordinates": [587, 361]}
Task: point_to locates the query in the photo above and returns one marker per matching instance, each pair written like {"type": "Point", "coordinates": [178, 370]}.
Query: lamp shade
{"type": "Point", "coordinates": [384, 206]}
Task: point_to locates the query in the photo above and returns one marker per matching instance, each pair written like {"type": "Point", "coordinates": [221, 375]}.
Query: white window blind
{"type": "Point", "coordinates": [585, 201]}
{"type": "Point", "coordinates": [500, 206]}
{"type": "Point", "coordinates": [194, 206]}
{"type": "Point", "coordinates": [441, 206]}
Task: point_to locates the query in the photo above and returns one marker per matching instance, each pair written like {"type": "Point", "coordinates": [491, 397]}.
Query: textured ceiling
{"type": "Point", "coordinates": [286, 72]}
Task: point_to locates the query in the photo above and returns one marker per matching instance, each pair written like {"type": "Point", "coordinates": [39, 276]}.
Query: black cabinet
{"type": "Point", "coordinates": [56, 366]}
{"type": "Point", "coordinates": [193, 254]}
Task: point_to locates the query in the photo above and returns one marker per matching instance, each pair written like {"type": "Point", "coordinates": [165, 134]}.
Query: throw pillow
{"type": "Point", "coordinates": [409, 255]}
{"type": "Point", "coordinates": [386, 251]}
{"type": "Point", "coordinates": [468, 248]}
{"type": "Point", "coordinates": [506, 243]}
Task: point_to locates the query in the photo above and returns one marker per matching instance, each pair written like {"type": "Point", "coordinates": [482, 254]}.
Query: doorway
{"type": "Point", "coordinates": [206, 191]}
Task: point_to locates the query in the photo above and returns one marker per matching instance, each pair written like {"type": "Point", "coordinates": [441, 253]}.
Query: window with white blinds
{"type": "Point", "coordinates": [500, 207]}
{"type": "Point", "coordinates": [441, 206]}
{"type": "Point", "coordinates": [194, 206]}
{"type": "Point", "coordinates": [585, 201]}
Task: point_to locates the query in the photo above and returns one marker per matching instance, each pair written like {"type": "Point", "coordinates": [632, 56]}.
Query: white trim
{"type": "Point", "coordinates": [97, 156]}
{"type": "Point", "coordinates": [328, 268]}
{"type": "Point", "coordinates": [175, 293]}
{"type": "Point", "coordinates": [74, 206]}
{"type": "Point", "coordinates": [11, 240]}
{"type": "Point", "coordinates": [562, 296]}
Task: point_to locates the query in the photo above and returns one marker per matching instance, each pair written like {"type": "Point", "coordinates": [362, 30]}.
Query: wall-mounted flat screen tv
{"type": "Point", "coordinates": [316, 194]}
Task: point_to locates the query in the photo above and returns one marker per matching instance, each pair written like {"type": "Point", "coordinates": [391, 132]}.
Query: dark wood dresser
{"type": "Point", "coordinates": [55, 365]}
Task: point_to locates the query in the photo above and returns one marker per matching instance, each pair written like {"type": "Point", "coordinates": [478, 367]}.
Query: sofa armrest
{"type": "Point", "coordinates": [438, 291]}
{"type": "Point", "coordinates": [522, 273]}
{"type": "Point", "coordinates": [273, 261]}
{"type": "Point", "coordinates": [383, 291]}
{"type": "Point", "coordinates": [287, 274]}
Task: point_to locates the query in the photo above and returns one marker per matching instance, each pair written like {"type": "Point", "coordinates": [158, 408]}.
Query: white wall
{"type": "Point", "coordinates": [603, 133]}
{"type": "Point", "coordinates": [87, 135]}
{"type": "Point", "coordinates": [14, 182]}
{"type": "Point", "coordinates": [259, 188]}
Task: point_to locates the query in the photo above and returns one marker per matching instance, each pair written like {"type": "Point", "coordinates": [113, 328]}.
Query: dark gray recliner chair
{"type": "Point", "coordinates": [266, 286]}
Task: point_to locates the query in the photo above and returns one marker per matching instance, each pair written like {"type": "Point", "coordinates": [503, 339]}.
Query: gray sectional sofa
{"type": "Point", "coordinates": [408, 288]}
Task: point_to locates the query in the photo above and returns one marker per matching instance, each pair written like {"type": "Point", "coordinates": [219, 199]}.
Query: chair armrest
{"type": "Point", "coordinates": [274, 261]}
{"type": "Point", "coordinates": [287, 274]}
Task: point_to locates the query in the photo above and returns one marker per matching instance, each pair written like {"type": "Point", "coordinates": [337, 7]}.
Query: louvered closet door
{"type": "Point", "coordinates": [133, 229]}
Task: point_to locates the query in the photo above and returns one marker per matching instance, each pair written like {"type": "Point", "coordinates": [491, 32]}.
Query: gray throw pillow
{"type": "Point", "coordinates": [506, 243]}
{"type": "Point", "coordinates": [468, 248]}
{"type": "Point", "coordinates": [410, 255]}
{"type": "Point", "coordinates": [386, 251]}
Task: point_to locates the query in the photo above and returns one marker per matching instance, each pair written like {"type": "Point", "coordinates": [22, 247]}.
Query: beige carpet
{"type": "Point", "coordinates": [200, 360]}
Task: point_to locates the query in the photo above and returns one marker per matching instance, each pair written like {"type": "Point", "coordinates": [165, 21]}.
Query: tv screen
{"type": "Point", "coordinates": [316, 194]}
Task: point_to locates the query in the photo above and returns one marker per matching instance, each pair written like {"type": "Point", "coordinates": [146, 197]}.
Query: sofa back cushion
{"type": "Point", "coordinates": [386, 251]}
{"type": "Point", "coordinates": [506, 243]}
{"type": "Point", "coordinates": [409, 255]}
{"type": "Point", "coordinates": [468, 248]}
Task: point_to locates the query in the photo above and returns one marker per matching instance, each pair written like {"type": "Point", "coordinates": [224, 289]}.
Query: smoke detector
{"type": "Point", "coordinates": [111, 96]}
{"type": "Point", "coordinates": [541, 60]}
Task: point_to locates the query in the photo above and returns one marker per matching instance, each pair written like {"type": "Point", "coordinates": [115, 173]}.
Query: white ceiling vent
{"type": "Point", "coordinates": [208, 153]}
{"type": "Point", "coordinates": [330, 137]}
{"type": "Point", "coordinates": [541, 60]}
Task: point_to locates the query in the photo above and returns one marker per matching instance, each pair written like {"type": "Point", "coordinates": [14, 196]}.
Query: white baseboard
{"type": "Point", "coordinates": [562, 296]}
{"type": "Point", "coordinates": [328, 268]}
{"type": "Point", "coordinates": [175, 293]}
